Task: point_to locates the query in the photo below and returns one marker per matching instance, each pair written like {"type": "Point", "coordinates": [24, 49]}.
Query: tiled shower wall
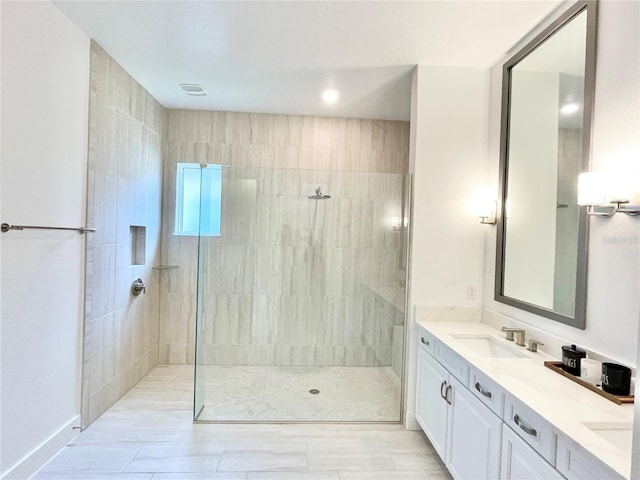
{"type": "Point", "coordinates": [123, 191]}
{"type": "Point", "coordinates": [290, 281]}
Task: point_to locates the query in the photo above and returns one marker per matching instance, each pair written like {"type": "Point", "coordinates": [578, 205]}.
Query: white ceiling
{"type": "Point", "coordinates": [276, 57]}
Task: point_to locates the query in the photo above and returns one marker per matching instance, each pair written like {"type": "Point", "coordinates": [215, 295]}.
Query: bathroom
{"type": "Point", "coordinates": [46, 387]}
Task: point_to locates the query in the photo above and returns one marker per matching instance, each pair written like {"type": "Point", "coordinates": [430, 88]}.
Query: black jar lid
{"type": "Point", "coordinates": [574, 351]}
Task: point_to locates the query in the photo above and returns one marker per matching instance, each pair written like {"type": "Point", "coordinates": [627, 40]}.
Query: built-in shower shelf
{"type": "Point", "coordinates": [164, 267]}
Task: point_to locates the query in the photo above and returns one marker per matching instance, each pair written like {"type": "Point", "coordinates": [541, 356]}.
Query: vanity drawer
{"type": "Point", "coordinates": [531, 427]}
{"type": "Point", "coordinates": [488, 391]}
{"type": "Point", "coordinates": [427, 341]}
{"type": "Point", "coordinates": [457, 366]}
{"type": "Point", "coordinates": [577, 464]}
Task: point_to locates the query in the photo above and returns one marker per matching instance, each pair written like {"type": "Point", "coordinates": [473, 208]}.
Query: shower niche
{"type": "Point", "coordinates": [138, 241]}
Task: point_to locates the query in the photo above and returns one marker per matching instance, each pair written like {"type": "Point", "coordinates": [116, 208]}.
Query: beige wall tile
{"type": "Point", "coordinates": [104, 202]}
{"type": "Point", "coordinates": [103, 279]}
{"type": "Point", "coordinates": [125, 179]}
{"type": "Point", "coordinates": [289, 279]}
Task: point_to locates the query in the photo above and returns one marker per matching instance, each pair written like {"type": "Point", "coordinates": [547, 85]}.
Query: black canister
{"type": "Point", "coordinates": [571, 356]}
{"type": "Point", "coordinates": [616, 379]}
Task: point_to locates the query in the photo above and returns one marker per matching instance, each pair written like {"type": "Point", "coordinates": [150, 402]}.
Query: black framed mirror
{"type": "Point", "coordinates": [547, 105]}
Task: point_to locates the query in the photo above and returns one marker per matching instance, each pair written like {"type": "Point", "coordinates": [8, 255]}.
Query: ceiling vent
{"type": "Point", "coordinates": [194, 89]}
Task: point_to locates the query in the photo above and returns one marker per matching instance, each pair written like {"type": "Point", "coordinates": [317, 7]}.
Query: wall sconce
{"type": "Point", "coordinates": [488, 214]}
{"type": "Point", "coordinates": [489, 218]}
{"type": "Point", "coordinates": [606, 194]}
{"type": "Point", "coordinates": [484, 208]}
{"type": "Point", "coordinates": [399, 223]}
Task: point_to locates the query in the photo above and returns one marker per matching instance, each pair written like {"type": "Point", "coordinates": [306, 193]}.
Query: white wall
{"type": "Point", "coordinates": [448, 166]}
{"type": "Point", "coordinates": [448, 158]}
{"type": "Point", "coordinates": [45, 88]}
{"type": "Point", "coordinates": [613, 293]}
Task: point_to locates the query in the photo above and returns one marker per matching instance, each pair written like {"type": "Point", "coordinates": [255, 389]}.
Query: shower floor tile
{"type": "Point", "coordinates": [149, 435]}
{"type": "Point", "coordinates": [280, 393]}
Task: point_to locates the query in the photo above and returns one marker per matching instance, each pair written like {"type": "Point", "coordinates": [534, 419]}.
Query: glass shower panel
{"type": "Point", "coordinates": [200, 374]}
{"type": "Point", "coordinates": [301, 296]}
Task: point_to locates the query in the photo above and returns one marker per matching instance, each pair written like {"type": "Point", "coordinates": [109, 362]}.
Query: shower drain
{"type": "Point", "coordinates": [314, 391]}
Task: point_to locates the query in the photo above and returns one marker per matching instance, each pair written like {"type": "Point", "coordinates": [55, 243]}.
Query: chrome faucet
{"type": "Point", "coordinates": [519, 335]}
{"type": "Point", "coordinates": [533, 345]}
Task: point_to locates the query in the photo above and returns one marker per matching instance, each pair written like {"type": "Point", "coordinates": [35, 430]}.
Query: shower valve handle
{"type": "Point", "coordinates": [138, 287]}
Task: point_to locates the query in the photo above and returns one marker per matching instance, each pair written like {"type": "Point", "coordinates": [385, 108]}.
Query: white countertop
{"type": "Point", "coordinates": [563, 403]}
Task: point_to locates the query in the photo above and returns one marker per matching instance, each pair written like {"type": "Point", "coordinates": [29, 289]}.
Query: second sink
{"type": "Point", "coordinates": [487, 346]}
{"type": "Point", "coordinates": [619, 434]}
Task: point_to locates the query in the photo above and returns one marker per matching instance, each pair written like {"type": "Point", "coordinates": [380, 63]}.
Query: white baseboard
{"type": "Point", "coordinates": [40, 455]}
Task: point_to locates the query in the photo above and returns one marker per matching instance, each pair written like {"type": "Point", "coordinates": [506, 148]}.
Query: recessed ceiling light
{"type": "Point", "coordinates": [330, 95]}
{"type": "Point", "coordinates": [194, 89]}
{"type": "Point", "coordinates": [569, 108]}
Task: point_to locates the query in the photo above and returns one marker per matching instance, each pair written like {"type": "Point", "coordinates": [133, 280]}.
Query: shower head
{"type": "Point", "coordinates": [319, 195]}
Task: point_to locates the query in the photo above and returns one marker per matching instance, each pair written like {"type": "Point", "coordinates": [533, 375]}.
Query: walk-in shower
{"type": "Point", "coordinates": [300, 304]}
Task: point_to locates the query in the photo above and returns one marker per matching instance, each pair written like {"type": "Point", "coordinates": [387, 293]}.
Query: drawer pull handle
{"type": "Point", "coordinates": [446, 394]}
{"type": "Point", "coordinates": [523, 426]}
{"type": "Point", "coordinates": [443, 393]}
{"type": "Point", "coordinates": [426, 342]}
{"type": "Point", "coordinates": [484, 392]}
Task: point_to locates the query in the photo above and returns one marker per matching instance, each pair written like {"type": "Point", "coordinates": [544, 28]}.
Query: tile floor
{"type": "Point", "coordinates": [148, 435]}
{"type": "Point", "coordinates": [279, 393]}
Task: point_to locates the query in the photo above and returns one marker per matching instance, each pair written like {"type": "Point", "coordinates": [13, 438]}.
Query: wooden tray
{"type": "Point", "coordinates": [619, 399]}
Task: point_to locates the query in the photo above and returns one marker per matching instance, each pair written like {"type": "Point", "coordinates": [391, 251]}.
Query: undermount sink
{"type": "Point", "coordinates": [488, 346]}
{"type": "Point", "coordinates": [619, 434]}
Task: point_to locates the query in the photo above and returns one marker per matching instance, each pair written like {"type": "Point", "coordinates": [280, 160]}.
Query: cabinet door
{"type": "Point", "coordinates": [521, 462]}
{"type": "Point", "coordinates": [431, 408]}
{"type": "Point", "coordinates": [475, 437]}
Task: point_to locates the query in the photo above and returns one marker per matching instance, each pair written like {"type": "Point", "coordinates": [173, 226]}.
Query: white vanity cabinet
{"type": "Point", "coordinates": [464, 432]}
{"type": "Point", "coordinates": [431, 405]}
{"type": "Point", "coordinates": [475, 436]}
{"type": "Point", "coordinates": [521, 462]}
{"type": "Point", "coordinates": [485, 425]}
